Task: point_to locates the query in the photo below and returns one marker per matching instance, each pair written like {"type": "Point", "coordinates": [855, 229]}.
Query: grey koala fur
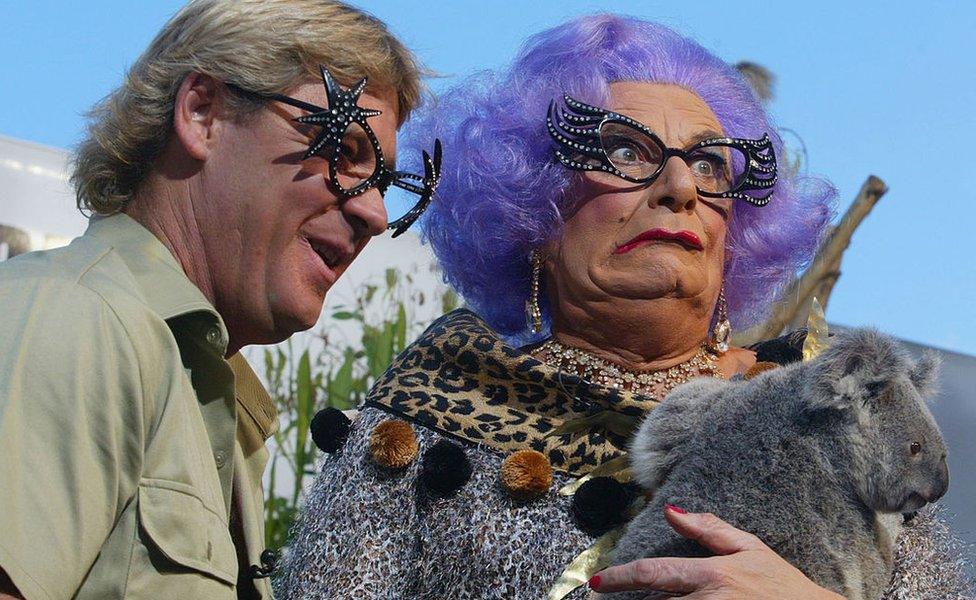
{"type": "Point", "coordinates": [815, 458]}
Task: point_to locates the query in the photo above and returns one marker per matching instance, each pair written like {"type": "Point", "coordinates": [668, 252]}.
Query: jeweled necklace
{"type": "Point", "coordinates": [654, 384]}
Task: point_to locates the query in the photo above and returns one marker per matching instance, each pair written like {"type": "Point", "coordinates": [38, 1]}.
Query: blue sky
{"type": "Point", "coordinates": [883, 88]}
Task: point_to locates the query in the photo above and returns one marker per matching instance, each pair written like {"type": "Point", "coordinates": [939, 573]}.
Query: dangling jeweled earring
{"type": "Point", "coordinates": [722, 332]}
{"type": "Point", "coordinates": [533, 314]}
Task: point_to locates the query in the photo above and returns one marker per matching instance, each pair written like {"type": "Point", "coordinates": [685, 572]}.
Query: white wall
{"type": "Point", "coordinates": [35, 196]}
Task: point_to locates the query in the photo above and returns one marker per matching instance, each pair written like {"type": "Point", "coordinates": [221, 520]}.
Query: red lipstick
{"type": "Point", "coordinates": [683, 237]}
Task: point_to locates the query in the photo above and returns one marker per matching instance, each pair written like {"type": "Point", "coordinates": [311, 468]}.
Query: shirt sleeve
{"type": "Point", "coordinates": [72, 432]}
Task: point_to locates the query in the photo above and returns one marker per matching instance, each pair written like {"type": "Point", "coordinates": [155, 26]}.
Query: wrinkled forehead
{"type": "Point", "coordinates": [677, 115]}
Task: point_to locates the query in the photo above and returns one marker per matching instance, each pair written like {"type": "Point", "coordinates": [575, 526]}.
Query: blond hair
{"type": "Point", "coordinates": [266, 46]}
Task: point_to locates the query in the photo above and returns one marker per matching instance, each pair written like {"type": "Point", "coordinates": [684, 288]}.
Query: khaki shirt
{"type": "Point", "coordinates": [128, 467]}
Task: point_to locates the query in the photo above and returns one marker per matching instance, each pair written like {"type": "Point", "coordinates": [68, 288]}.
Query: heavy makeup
{"type": "Point", "coordinates": [635, 275]}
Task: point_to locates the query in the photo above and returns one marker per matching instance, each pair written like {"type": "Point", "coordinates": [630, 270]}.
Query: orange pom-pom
{"type": "Point", "coordinates": [759, 367]}
{"type": "Point", "coordinates": [393, 444]}
{"type": "Point", "coordinates": [526, 474]}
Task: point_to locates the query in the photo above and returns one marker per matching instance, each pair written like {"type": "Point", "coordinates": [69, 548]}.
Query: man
{"type": "Point", "coordinates": [232, 180]}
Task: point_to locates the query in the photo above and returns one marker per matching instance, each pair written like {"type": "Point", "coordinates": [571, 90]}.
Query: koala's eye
{"type": "Point", "coordinates": [915, 448]}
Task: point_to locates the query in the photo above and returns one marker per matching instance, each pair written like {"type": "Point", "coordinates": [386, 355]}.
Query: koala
{"type": "Point", "coordinates": [818, 459]}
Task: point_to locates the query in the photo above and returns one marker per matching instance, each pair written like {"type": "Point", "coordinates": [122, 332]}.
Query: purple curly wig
{"type": "Point", "coordinates": [503, 192]}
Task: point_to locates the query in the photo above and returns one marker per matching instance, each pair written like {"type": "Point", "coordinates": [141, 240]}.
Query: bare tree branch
{"type": "Point", "coordinates": [820, 277]}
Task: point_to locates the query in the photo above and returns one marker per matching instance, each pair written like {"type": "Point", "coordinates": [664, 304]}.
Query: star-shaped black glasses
{"type": "Point", "coordinates": [347, 142]}
{"type": "Point", "coordinates": [589, 138]}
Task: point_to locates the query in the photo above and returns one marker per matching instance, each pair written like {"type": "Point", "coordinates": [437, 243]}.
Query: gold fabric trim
{"type": "Point", "coordinates": [816, 340]}
{"type": "Point", "coordinates": [617, 468]}
{"type": "Point", "coordinates": [591, 560]}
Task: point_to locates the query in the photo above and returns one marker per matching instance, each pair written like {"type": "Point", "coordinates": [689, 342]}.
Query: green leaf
{"type": "Point", "coordinates": [268, 365]}
{"type": "Point", "coordinates": [304, 406]}
{"type": "Point", "coordinates": [282, 363]}
{"type": "Point", "coordinates": [449, 301]}
{"type": "Point", "coordinates": [360, 386]}
{"type": "Point", "coordinates": [337, 374]}
{"type": "Point", "coordinates": [281, 517]}
{"type": "Point", "coordinates": [379, 348]}
{"type": "Point", "coordinates": [341, 385]}
{"type": "Point", "coordinates": [400, 330]}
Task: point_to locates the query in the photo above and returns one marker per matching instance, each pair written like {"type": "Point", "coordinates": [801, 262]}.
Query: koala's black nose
{"type": "Point", "coordinates": [941, 481]}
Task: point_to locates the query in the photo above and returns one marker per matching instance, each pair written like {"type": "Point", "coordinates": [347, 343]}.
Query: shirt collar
{"type": "Point", "coordinates": [160, 279]}
{"type": "Point", "coordinates": [253, 398]}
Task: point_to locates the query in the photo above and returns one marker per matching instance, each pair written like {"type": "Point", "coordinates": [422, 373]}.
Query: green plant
{"type": "Point", "coordinates": [336, 368]}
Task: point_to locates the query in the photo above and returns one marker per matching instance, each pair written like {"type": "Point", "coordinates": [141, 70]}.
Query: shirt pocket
{"type": "Point", "coordinates": [186, 545]}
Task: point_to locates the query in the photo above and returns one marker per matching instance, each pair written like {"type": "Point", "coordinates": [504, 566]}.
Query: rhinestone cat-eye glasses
{"type": "Point", "coordinates": [589, 138]}
{"type": "Point", "coordinates": [345, 139]}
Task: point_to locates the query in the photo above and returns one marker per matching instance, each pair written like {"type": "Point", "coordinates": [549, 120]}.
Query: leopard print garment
{"type": "Point", "coordinates": [369, 533]}
{"type": "Point", "coordinates": [461, 380]}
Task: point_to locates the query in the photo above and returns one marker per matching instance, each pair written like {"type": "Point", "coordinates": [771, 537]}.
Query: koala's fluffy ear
{"type": "Point", "coordinates": [661, 440]}
{"type": "Point", "coordinates": [855, 368]}
{"type": "Point", "coordinates": [925, 373]}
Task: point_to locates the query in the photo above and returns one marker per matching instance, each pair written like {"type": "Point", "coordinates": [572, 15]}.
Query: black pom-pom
{"type": "Point", "coordinates": [444, 469]}
{"type": "Point", "coordinates": [783, 350]}
{"type": "Point", "coordinates": [330, 428]}
{"type": "Point", "coordinates": [601, 504]}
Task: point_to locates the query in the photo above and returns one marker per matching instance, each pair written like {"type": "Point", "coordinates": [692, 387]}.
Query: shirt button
{"type": "Point", "coordinates": [221, 457]}
{"type": "Point", "coordinates": [213, 336]}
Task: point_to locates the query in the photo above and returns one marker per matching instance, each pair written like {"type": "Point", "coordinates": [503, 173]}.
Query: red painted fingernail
{"type": "Point", "coordinates": [676, 509]}
{"type": "Point", "coordinates": [594, 582]}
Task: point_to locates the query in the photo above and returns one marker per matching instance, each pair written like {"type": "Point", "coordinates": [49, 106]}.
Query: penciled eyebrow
{"type": "Point", "coordinates": [700, 136]}
{"type": "Point", "coordinates": [705, 134]}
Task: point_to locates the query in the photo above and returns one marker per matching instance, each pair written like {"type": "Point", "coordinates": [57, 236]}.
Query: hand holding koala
{"type": "Point", "coordinates": [817, 459]}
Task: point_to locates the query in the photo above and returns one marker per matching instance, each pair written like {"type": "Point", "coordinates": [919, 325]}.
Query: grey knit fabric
{"type": "Point", "coordinates": [369, 533]}
{"type": "Point", "coordinates": [929, 562]}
